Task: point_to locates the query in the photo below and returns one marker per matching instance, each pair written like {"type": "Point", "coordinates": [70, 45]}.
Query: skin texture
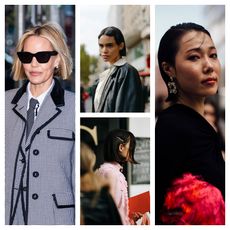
{"type": "Point", "coordinates": [197, 69]}
{"type": "Point", "coordinates": [40, 75]}
{"type": "Point", "coordinates": [109, 49]}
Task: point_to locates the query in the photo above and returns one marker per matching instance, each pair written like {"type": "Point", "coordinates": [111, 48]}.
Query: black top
{"type": "Point", "coordinates": [123, 91]}
{"type": "Point", "coordinates": [186, 142]}
{"type": "Point", "coordinates": [98, 208]}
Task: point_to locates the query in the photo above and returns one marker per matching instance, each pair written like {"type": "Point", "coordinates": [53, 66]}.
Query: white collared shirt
{"type": "Point", "coordinates": [103, 78]}
{"type": "Point", "coordinates": [40, 98]}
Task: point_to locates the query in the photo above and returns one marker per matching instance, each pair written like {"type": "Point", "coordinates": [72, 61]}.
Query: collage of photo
{"type": "Point", "coordinates": [115, 114]}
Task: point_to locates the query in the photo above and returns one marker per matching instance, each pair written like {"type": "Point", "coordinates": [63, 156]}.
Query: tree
{"type": "Point", "coordinates": [84, 64]}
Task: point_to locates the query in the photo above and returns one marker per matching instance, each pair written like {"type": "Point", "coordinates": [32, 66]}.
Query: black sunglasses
{"type": "Point", "coordinates": [42, 57]}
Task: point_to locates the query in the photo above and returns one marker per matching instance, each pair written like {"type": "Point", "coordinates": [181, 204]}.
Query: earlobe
{"type": "Point", "coordinates": [57, 61]}
{"type": "Point", "coordinates": [168, 69]}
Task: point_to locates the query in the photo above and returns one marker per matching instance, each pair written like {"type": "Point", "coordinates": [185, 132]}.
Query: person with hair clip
{"type": "Point", "coordinates": [40, 132]}
{"type": "Point", "coordinates": [185, 141]}
{"type": "Point", "coordinates": [118, 88]}
{"type": "Point", "coordinates": [119, 148]}
{"type": "Point", "coordinates": [97, 205]}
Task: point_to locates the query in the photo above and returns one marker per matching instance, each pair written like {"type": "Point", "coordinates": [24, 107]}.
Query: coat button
{"type": "Point", "coordinates": [35, 196]}
{"type": "Point", "coordinates": [36, 152]}
{"type": "Point", "coordinates": [35, 174]}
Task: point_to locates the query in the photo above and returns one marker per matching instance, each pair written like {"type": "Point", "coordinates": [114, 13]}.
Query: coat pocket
{"type": "Point", "coordinates": [63, 200]}
{"type": "Point", "coordinates": [64, 208]}
{"type": "Point", "coordinates": [61, 134]}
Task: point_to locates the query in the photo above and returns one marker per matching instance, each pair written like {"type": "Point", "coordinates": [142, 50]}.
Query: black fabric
{"type": "Point", "coordinates": [123, 91]}
{"type": "Point", "coordinates": [57, 93]}
{"type": "Point", "coordinates": [186, 142]}
{"type": "Point", "coordinates": [99, 208]}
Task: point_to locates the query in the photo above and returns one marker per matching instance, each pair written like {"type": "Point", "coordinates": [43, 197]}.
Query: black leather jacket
{"type": "Point", "coordinates": [122, 93]}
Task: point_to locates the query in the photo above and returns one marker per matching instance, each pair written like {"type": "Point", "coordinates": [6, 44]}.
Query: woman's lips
{"type": "Point", "coordinates": [105, 56]}
{"type": "Point", "coordinates": [34, 73]}
{"type": "Point", "coordinates": [209, 81]}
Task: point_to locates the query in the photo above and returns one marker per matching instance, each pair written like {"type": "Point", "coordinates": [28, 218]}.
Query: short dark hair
{"type": "Point", "coordinates": [169, 46]}
{"type": "Point", "coordinates": [113, 31]}
{"type": "Point", "coordinates": [112, 142]}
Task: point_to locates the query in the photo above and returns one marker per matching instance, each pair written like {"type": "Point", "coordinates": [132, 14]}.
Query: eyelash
{"type": "Point", "coordinates": [195, 57]}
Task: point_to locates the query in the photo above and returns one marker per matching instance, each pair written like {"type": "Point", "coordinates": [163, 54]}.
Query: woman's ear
{"type": "Point", "coordinates": [121, 147]}
{"type": "Point", "coordinates": [168, 69]}
{"type": "Point", "coordinates": [57, 61]}
{"type": "Point", "coordinates": [121, 46]}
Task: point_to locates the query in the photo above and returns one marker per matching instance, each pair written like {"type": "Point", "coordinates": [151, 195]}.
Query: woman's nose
{"type": "Point", "coordinates": [34, 61]}
{"type": "Point", "coordinates": [104, 49]}
{"type": "Point", "coordinates": [208, 65]}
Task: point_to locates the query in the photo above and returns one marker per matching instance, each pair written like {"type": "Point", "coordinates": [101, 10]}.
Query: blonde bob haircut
{"type": "Point", "coordinates": [56, 36]}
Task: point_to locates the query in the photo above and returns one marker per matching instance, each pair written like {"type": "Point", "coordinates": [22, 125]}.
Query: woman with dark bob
{"type": "Point", "coordinates": [40, 132]}
{"type": "Point", "coordinates": [118, 88]}
{"type": "Point", "coordinates": [185, 141]}
{"type": "Point", "coordinates": [119, 148]}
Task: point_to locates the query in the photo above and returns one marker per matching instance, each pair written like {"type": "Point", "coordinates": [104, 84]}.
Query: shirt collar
{"type": "Point", "coordinates": [41, 97]}
{"type": "Point", "coordinates": [120, 62]}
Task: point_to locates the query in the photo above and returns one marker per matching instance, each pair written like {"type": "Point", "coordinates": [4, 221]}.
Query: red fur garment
{"type": "Point", "coordinates": [193, 201]}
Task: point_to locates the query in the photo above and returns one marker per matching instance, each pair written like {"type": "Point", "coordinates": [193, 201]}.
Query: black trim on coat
{"type": "Point", "coordinates": [61, 138]}
{"type": "Point", "coordinates": [37, 131]}
{"type": "Point", "coordinates": [23, 118]}
{"type": "Point", "coordinates": [57, 93]}
{"type": "Point", "coordinates": [19, 93]}
{"type": "Point", "coordinates": [61, 206]}
{"type": "Point", "coordinates": [13, 209]}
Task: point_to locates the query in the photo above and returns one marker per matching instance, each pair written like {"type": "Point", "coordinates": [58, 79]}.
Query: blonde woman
{"type": "Point", "coordinates": [97, 205]}
{"type": "Point", "coordinates": [40, 132]}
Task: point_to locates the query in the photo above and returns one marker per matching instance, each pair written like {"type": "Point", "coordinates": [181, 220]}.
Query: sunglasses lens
{"type": "Point", "coordinates": [25, 57]}
{"type": "Point", "coordinates": [43, 57]}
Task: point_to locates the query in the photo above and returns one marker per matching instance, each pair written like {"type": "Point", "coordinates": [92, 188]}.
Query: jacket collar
{"type": "Point", "coordinates": [120, 62]}
{"type": "Point", "coordinates": [57, 94]}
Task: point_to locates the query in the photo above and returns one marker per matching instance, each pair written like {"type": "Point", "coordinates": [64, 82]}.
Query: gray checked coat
{"type": "Point", "coordinates": [39, 170]}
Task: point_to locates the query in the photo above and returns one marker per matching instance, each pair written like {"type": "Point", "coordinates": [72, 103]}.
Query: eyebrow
{"type": "Point", "coordinates": [106, 44]}
{"type": "Point", "coordinates": [198, 49]}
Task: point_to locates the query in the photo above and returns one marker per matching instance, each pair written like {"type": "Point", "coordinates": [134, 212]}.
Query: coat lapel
{"type": "Point", "coordinates": [106, 90]}
{"type": "Point", "coordinates": [47, 113]}
{"type": "Point", "coordinates": [21, 107]}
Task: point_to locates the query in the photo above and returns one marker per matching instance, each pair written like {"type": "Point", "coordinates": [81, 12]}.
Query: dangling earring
{"type": "Point", "coordinates": [172, 86]}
